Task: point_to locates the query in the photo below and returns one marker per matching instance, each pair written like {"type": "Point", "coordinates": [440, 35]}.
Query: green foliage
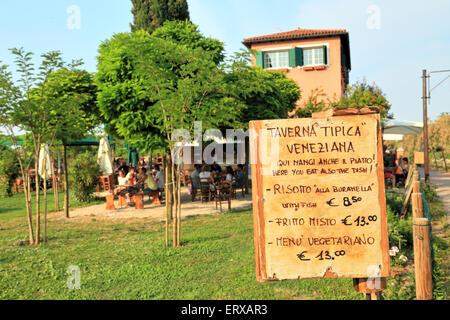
{"type": "Point", "coordinates": [400, 286]}
{"type": "Point", "coordinates": [56, 102]}
{"type": "Point", "coordinates": [149, 86]}
{"type": "Point", "coordinates": [263, 94]}
{"type": "Point", "coordinates": [187, 34]}
{"type": "Point", "coordinates": [8, 170]}
{"type": "Point", "coordinates": [436, 207]}
{"type": "Point", "coordinates": [400, 227]}
{"type": "Point", "coordinates": [151, 14]}
{"type": "Point", "coordinates": [440, 287]}
{"type": "Point", "coordinates": [83, 176]}
{"type": "Point", "coordinates": [362, 94]}
{"type": "Point", "coordinates": [71, 97]}
{"type": "Point", "coordinates": [315, 103]}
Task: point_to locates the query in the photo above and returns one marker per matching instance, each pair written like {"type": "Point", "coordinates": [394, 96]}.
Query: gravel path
{"type": "Point", "coordinates": [442, 181]}
{"type": "Point", "coordinates": [188, 208]}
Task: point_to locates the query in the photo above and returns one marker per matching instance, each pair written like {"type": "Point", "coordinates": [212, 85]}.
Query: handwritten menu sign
{"type": "Point", "coordinates": [318, 198]}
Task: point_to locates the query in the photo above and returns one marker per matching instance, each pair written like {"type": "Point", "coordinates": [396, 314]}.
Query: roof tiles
{"type": "Point", "coordinates": [296, 34]}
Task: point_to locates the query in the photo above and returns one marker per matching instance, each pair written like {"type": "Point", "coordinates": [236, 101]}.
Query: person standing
{"type": "Point", "coordinates": [159, 178]}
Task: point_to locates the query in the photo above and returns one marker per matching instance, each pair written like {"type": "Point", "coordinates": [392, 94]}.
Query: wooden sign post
{"type": "Point", "coordinates": [319, 199]}
{"type": "Point", "coordinates": [419, 157]}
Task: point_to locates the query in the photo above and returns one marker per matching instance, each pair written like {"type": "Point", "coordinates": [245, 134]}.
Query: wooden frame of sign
{"type": "Point", "coordinates": [319, 203]}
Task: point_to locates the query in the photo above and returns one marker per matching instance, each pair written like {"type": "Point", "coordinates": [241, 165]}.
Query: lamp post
{"type": "Point", "coordinates": [425, 96]}
{"type": "Point", "coordinates": [425, 127]}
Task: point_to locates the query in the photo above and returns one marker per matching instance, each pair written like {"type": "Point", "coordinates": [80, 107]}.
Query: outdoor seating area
{"type": "Point", "coordinates": [130, 183]}
{"type": "Point", "coordinates": [396, 168]}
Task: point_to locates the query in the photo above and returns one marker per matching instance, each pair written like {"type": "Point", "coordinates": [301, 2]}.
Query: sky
{"type": "Point", "coordinates": [391, 41]}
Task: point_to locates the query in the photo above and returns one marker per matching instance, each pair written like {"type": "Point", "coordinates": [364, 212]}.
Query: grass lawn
{"type": "Point", "coordinates": [127, 259]}
{"type": "Point", "coordinates": [14, 206]}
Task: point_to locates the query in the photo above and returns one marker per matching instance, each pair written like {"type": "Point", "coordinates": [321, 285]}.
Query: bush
{"type": "Point", "coordinates": [8, 170]}
{"type": "Point", "coordinates": [83, 176]}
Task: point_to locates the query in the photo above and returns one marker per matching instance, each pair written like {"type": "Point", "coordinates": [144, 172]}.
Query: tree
{"type": "Point", "coordinates": [149, 86]}
{"type": "Point", "coordinates": [357, 95]}
{"type": "Point", "coordinates": [263, 94]}
{"type": "Point", "coordinates": [26, 111]}
{"type": "Point", "coordinates": [151, 14]}
{"type": "Point", "coordinates": [8, 170]}
{"type": "Point", "coordinates": [39, 108]}
{"type": "Point", "coordinates": [362, 94]}
{"type": "Point", "coordinates": [439, 138]}
{"type": "Point", "coordinates": [71, 95]}
{"type": "Point", "coordinates": [315, 104]}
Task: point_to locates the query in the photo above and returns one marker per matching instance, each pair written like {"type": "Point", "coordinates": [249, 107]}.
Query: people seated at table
{"type": "Point", "coordinates": [405, 165]}
{"type": "Point", "coordinates": [131, 176]}
{"type": "Point", "coordinates": [122, 178]}
{"type": "Point", "coordinates": [207, 176]}
{"type": "Point", "coordinates": [142, 163]}
{"type": "Point", "coordinates": [216, 168]}
{"type": "Point", "coordinates": [402, 170]}
{"type": "Point", "coordinates": [230, 176]}
{"type": "Point", "coordinates": [206, 173]}
{"type": "Point", "coordinates": [122, 188]}
{"type": "Point", "coordinates": [195, 177]}
{"type": "Point", "coordinates": [124, 166]}
{"type": "Point", "coordinates": [150, 184]}
{"type": "Point", "coordinates": [159, 177]}
{"type": "Point", "coordinates": [240, 175]}
{"type": "Point", "coordinates": [141, 178]}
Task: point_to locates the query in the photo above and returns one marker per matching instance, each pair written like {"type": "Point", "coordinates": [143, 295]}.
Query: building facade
{"type": "Point", "coordinates": [317, 60]}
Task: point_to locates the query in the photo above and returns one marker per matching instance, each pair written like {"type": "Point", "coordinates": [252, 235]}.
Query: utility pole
{"type": "Point", "coordinates": [425, 127]}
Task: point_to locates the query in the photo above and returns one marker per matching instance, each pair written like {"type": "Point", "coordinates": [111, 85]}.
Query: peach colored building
{"type": "Point", "coordinates": [313, 58]}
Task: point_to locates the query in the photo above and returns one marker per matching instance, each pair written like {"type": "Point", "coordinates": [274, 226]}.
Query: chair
{"type": "Point", "coordinates": [205, 190]}
{"type": "Point", "coordinates": [193, 190]}
{"type": "Point", "coordinates": [105, 181]}
{"type": "Point", "coordinates": [242, 187]}
{"type": "Point", "coordinates": [224, 193]}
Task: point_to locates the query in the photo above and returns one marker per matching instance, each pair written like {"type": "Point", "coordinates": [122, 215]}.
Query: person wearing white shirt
{"type": "Point", "coordinates": [159, 178]}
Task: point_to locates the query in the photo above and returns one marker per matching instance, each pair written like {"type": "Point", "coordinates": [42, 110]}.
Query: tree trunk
{"type": "Point", "coordinates": [55, 185]}
{"type": "Point", "coordinates": [168, 207]}
{"type": "Point", "coordinates": [179, 206]}
{"type": "Point", "coordinates": [174, 218]}
{"type": "Point", "coordinates": [66, 183]}
{"type": "Point", "coordinates": [27, 192]}
{"type": "Point", "coordinates": [38, 198]}
{"type": "Point", "coordinates": [445, 161]}
{"type": "Point", "coordinates": [435, 160]}
{"type": "Point", "coordinates": [45, 208]}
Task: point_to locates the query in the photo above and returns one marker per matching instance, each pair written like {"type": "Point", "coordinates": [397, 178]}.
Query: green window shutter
{"type": "Point", "coordinates": [299, 56]}
{"type": "Point", "coordinates": [292, 58]}
{"type": "Point", "coordinates": [325, 55]}
{"type": "Point", "coordinates": [260, 59]}
{"type": "Point", "coordinates": [295, 57]}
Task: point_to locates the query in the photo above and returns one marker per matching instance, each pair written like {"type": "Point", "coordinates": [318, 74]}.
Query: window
{"type": "Point", "coordinates": [276, 59]}
{"type": "Point", "coordinates": [314, 56]}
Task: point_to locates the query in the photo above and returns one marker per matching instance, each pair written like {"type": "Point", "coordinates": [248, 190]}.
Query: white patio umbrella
{"type": "Point", "coordinates": [104, 158]}
{"type": "Point", "coordinates": [45, 166]}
